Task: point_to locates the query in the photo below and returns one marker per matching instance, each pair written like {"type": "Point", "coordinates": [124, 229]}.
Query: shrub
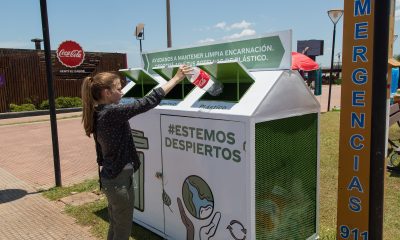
{"type": "Point", "coordinates": [68, 102]}
{"type": "Point", "coordinates": [60, 102]}
{"type": "Point", "coordinates": [22, 108]}
{"type": "Point", "coordinates": [44, 105]}
{"type": "Point", "coordinates": [338, 81]}
{"type": "Point", "coordinates": [77, 102]}
{"type": "Point", "coordinates": [33, 100]}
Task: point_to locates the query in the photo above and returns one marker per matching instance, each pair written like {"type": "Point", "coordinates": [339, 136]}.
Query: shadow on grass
{"type": "Point", "coordinates": [394, 172]}
{"type": "Point", "coordinates": [138, 232]}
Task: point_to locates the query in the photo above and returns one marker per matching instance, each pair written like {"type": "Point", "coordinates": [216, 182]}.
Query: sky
{"type": "Point", "coordinates": [109, 26]}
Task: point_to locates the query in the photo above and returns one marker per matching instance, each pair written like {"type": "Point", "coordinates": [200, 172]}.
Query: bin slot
{"type": "Point", "coordinates": [234, 77]}
{"type": "Point", "coordinates": [179, 92]}
{"type": "Point", "coordinates": [144, 82]}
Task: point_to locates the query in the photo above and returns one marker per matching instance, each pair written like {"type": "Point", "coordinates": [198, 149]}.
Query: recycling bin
{"type": "Point", "coordinates": [241, 165]}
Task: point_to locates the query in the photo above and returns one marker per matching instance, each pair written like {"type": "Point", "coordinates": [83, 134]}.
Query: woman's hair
{"type": "Point", "coordinates": [91, 94]}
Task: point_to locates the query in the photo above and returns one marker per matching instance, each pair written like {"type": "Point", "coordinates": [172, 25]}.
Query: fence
{"type": "Point", "coordinates": [23, 75]}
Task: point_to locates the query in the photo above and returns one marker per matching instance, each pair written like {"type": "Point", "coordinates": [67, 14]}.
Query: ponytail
{"type": "Point", "coordinates": [87, 105]}
{"type": "Point", "coordinates": [91, 93]}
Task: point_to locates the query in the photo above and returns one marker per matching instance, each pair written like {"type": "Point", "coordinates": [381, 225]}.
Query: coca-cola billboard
{"type": "Point", "coordinates": [70, 54]}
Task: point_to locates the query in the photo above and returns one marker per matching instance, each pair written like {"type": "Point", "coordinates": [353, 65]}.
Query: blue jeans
{"type": "Point", "coordinates": [120, 195]}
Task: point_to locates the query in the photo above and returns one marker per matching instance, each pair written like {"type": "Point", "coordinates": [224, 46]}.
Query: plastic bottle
{"type": "Point", "coordinates": [204, 81]}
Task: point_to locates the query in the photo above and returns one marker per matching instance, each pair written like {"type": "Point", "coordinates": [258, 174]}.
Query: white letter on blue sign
{"type": "Point", "coordinates": [355, 204]}
{"type": "Point", "coordinates": [359, 76]}
{"type": "Point", "coordinates": [359, 120]}
{"type": "Point", "coordinates": [358, 98]}
{"type": "Point", "coordinates": [361, 31]}
{"type": "Point", "coordinates": [359, 51]}
{"type": "Point", "coordinates": [356, 161]}
{"type": "Point", "coordinates": [361, 9]}
{"type": "Point", "coordinates": [353, 144]}
{"type": "Point", "coordinates": [355, 183]}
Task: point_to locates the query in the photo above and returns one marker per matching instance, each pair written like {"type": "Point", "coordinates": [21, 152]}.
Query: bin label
{"type": "Point", "coordinates": [206, 176]}
{"type": "Point", "coordinates": [269, 52]}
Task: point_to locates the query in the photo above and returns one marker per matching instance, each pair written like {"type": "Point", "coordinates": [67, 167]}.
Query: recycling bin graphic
{"type": "Point", "coordinates": [141, 142]}
{"type": "Point", "coordinates": [240, 165]}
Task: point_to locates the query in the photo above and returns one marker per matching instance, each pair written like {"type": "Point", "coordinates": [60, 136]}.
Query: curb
{"type": "Point", "coordinates": [37, 113]}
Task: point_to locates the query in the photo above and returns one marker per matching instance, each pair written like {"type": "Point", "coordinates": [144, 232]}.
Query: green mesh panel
{"type": "Point", "coordinates": [286, 177]}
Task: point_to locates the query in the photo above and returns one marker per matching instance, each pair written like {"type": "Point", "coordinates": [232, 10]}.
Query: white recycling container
{"type": "Point", "coordinates": [240, 165]}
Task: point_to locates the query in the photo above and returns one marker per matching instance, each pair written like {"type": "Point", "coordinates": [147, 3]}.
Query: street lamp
{"type": "Point", "coordinates": [169, 40]}
{"type": "Point", "coordinates": [139, 33]}
{"type": "Point", "coordinates": [335, 16]}
{"type": "Point", "coordinates": [338, 62]}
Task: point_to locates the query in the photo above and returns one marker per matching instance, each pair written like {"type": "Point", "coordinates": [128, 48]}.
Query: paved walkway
{"type": "Point", "coordinates": [26, 151]}
{"type": "Point", "coordinates": [335, 97]}
{"type": "Point", "coordinates": [25, 214]}
{"type": "Point", "coordinates": [26, 166]}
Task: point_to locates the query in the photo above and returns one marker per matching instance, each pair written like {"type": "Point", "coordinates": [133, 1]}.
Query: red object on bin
{"type": "Point", "coordinates": [302, 62]}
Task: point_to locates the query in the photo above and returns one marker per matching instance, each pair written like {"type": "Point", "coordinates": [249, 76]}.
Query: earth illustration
{"type": "Point", "coordinates": [198, 198]}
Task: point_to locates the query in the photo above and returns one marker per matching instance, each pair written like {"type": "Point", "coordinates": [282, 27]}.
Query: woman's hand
{"type": "Point", "coordinates": [179, 76]}
{"type": "Point", "coordinates": [183, 70]}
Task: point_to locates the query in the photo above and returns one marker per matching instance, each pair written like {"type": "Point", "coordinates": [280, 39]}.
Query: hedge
{"type": "Point", "coordinates": [60, 102]}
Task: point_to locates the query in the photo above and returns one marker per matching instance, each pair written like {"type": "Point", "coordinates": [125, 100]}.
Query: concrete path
{"type": "Point", "coordinates": [25, 214]}
{"type": "Point", "coordinates": [26, 152]}
{"type": "Point", "coordinates": [26, 166]}
{"type": "Point", "coordinates": [335, 97]}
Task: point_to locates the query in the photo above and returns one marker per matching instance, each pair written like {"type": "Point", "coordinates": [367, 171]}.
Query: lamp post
{"type": "Point", "coordinates": [335, 16]}
{"type": "Point", "coordinates": [338, 62]}
{"type": "Point", "coordinates": [169, 40]}
{"type": "Point", "coordinates": [139, 33]}
{"type": "Point", "coordinates": [50, 91]}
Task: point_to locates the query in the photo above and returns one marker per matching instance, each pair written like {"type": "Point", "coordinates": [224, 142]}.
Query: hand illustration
{"type": "Point", "coordinates": [186, 221]}
{"type": "Point", "coordinates": [208, 231]}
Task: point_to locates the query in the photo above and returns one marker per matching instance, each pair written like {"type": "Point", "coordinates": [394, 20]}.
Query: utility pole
{"type": "Point", "coordinates": [169, 41]}
{"type": "Point", "coordinates": [50, 89]}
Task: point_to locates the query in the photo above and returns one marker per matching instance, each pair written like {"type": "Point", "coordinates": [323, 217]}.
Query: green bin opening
{"type": "Point", "coordinates": [144, 83]}
{"type": "Point", "coordinates": [178, 92]}
{"type": "Point", "coordinates": [234, 78]}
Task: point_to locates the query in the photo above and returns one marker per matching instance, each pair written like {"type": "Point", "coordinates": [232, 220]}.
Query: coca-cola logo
{"type": "Point", "coordinates": [70, 54]}
{"type": "Point", "coordinates": [202, 79]}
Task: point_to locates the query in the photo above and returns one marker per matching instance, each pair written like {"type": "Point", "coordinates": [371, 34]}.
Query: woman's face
{"type": "Point", "coordinates": [115, 93]}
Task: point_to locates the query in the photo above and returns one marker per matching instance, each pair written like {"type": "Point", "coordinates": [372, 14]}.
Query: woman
{"type": "Point", "coordinates": [116, 152]}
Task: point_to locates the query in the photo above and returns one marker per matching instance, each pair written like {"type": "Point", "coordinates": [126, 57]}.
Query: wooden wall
{"type": "Point", "coordinates": [25, 75]}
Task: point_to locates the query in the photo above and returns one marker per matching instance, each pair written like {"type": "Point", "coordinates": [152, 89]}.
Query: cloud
{"type": "Point", "coordinates": [397, 11]}
{"type": "Point", "coordinates": [207, 40]}
{"type": "Point", "coordinates": [244, 33]}
{"type": "Point", "coordinates": [239, 25]}
{"type": "Point", "coordinates": [244, 27]}
{"type": "Point", "coordinates": [220, 25]}
{"type": "Point", "coordinates": [397, 14]}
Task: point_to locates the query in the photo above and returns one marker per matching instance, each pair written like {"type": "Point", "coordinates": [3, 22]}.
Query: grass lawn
{"type": "Point", "coordinates": [95, 214]}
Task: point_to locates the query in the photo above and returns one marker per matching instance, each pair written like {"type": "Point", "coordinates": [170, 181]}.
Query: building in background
{"type": "Point", "coordinates": [23, 74]}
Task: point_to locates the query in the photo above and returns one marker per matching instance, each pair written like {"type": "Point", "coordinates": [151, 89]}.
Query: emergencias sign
{"type": "Point", "coordinates": [355, 121]}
